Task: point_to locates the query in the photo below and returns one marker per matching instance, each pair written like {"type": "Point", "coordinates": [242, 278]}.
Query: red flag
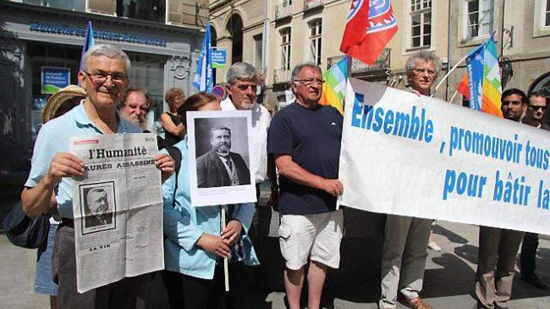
{"type": "Point", "coordinates": [370, 26]}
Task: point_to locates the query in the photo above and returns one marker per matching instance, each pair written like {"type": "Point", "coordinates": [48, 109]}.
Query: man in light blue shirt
{"type": "Point", "coordinates": [104, 76]}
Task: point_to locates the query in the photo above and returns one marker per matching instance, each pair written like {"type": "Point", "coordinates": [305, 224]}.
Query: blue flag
{"type": "Point", "coordinates": [204, 80]}
{"type": "Point", "coordinates": [88, 42]}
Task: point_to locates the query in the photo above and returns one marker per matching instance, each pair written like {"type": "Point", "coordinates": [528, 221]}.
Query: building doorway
{"type": "Point", "coordinates": [235, 28]}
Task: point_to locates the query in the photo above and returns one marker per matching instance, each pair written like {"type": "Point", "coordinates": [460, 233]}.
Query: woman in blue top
{"type": "Point", "coordinates": [195, 244]}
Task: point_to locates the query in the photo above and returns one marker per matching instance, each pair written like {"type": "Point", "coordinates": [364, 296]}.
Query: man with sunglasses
{"type": "Point", "coordinates": [242, 86]}
{"type": "Point", "coordinates": [406, 238]}
{"type": "Point", "coordinates": [534, 116]}
{"type": "Point", "coordinates": [536, 111]}
{"type": "Point", "coordinates": [104, 76]}
{"type": "Point", "coordinates": [305, 140]}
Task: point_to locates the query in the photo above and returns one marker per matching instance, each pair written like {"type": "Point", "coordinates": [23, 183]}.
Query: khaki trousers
{"type": "Point", "coordinates": [403, 258]}
{"type": "Point", "coordinates": [128, 293]}
{"type": "Point", "coordinates": [495, 266]}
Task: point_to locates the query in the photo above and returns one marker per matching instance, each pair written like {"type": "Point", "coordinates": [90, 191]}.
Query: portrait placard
{"type": "Point", "coordinates": [219, 157]}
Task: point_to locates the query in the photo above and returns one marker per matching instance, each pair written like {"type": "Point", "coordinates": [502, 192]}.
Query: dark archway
{"type": "Point", "coordinates": [213, 36]}
{"type": "Point", "coordinates": [541, 84]}
{"type": "Point", "coordinates": [235, 28]}
{"type": "Point", "coordinates": [214, 43]}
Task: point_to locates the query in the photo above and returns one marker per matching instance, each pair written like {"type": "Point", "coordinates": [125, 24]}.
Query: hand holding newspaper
{"type": "Point", "coordinates": [117, 209]}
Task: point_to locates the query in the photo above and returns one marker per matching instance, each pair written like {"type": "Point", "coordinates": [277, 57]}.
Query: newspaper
{"type": "Point", "coordinates": [117, 209]}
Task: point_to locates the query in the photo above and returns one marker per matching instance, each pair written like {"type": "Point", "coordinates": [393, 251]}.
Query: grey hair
{"type": "Point", "coordinates": [425, 55]}
{"type": "Point", "coordinates": [218, 128]}
{"type": "Point", "coordinates": [298, 68]}
{"type": "Point", "coordinates": [106, 50]}
{"type": "Point", "coordinates": [241, 70]}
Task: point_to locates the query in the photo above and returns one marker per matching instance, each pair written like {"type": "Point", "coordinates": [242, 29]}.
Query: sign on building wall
{"type": "Point", "coordinates": [219, 91]}
{"type": "Point", "coordinates": [219, 58]}
{"type": "Point", "coordinates": [54, 79]}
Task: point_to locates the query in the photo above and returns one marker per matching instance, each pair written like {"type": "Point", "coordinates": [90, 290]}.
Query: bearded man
{"type": "Point", "coordinates": [220, 167]}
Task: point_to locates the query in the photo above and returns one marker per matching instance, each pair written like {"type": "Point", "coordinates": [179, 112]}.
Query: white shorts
{"type": "Point", "coordinates": [315, 236]}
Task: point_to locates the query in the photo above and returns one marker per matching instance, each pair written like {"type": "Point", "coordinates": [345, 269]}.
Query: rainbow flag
{"type": "Point", "coordinates": [334, 88]}
{"type": "Point", "coordinates": [485, 88]}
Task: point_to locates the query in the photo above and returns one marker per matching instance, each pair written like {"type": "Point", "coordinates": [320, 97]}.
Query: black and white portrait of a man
{"type": "Point", "coordinates": [98, 207]}
{"type": "Point", "coordinates": [220, 166]}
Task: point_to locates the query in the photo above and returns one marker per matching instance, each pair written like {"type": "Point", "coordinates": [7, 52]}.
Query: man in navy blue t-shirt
{"type": "Point", "coordinates": [305, 140]}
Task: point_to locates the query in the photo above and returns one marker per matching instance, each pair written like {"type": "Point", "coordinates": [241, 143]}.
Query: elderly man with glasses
{"type": "Point", "coordinates": [305, 141]}
{"type": "Point", "coordinates": [104, 76]}
{"type": "Point", "coordinates": [406, 238]}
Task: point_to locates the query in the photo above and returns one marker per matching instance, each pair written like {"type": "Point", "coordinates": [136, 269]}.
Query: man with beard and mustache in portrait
{"type": "Point", "coordinates": [220, 167]}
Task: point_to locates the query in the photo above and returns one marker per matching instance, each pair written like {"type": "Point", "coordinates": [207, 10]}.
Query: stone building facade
{"type": "Point", "coordinates": [278, 34]}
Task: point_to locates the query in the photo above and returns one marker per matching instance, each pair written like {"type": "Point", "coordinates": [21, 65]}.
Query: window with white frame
{"type": "Point", "coordinates": [258, 51]}
{"type": "Point", "coordinates": [315, 39]}
{"type": "Point", "coordinates": [547, 13]}
{"type": "Point", "coordinates": [541, 18]}
{"type": "Point", "coordinates": [479, 18]}
{"type": "Point", "coordinates": [421, 23]}
{"type": "Point", "coordinates": [285, 49]}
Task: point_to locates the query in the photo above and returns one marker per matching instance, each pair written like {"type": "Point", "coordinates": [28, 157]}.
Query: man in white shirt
{"type": "Point", "coordinates": [242, 86]}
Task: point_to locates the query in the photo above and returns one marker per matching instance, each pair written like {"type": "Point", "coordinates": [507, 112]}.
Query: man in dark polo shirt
{"type": "Point", "coordinates": [305, 140]}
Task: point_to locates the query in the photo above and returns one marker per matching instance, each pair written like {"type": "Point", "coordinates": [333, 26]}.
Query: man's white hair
{"type": "Point", "coordinates": [106, 50]}
{"type": "Point", "coordinates": [425, 55]}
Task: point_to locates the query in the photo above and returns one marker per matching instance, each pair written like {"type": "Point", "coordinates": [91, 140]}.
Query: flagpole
{"type": "Point", "coordinates": [225, 259]}
{"type": "Point", "coordinates": [454, 95]}
{"type": "Point", "coordinates": [449, 73]}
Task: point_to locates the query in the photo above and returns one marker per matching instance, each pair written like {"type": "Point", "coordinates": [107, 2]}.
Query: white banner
{"type": "Point", "coordinates": [417, 156]}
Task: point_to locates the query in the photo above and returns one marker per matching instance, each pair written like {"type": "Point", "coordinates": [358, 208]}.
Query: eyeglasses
{"type": "Point", "coordinates": [310, 81]}
{"type": "Point", "coordinates": [101, 77]}
{"type": "Point", "coordinates": [244, 87]}
{"type": "Point", "coordinates": [422, 71]}
{"type": "Point", "coordinates": [542, 108]}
